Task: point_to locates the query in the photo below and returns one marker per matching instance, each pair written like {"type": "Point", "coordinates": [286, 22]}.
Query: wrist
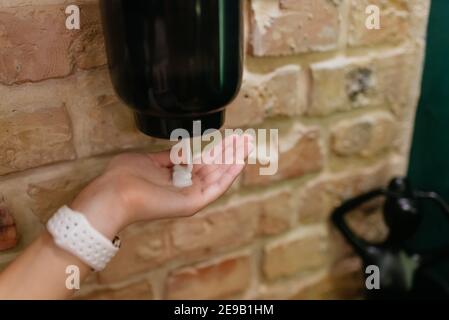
{"type": "Point", "coordinates": [103, 206]}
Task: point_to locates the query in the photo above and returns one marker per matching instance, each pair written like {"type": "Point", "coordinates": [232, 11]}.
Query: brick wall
{"type": "Point", "coordinates": [342, 96]}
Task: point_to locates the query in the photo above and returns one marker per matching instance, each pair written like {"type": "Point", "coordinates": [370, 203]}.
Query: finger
{"type": "Point", "coordinates": [243, 148]}
{"type": "Point", "coordinates": [220, 180]}
{"type": "Point", "coordinates": [215, 190]}
{"type": "Point", "coordinates": [213, 176]}
{"type": "Point", "coordinates": [213, 162]}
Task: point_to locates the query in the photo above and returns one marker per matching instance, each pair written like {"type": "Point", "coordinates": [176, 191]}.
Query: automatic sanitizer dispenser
{"type": "Point", "coordinates": [175, 62]}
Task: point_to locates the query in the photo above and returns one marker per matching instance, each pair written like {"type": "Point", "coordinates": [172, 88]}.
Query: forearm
{"type": "Point", "coordinates": [40, 271]}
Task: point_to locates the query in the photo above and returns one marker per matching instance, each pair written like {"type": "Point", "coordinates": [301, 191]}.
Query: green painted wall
{"type": "Point", "coordinates": [429, 162]}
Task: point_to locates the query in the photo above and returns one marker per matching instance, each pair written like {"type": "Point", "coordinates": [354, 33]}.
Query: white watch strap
{"type": "Point", "coordinates": [72, 232]}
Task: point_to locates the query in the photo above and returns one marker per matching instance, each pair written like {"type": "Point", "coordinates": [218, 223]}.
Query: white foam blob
{"type": "Point", "coordinates": [182, 176]}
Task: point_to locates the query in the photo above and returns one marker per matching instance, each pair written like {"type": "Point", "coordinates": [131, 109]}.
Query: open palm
{"type": "Point", "coordinates": [148, 180]}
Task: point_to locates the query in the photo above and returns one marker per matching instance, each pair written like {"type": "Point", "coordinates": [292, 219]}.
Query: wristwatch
{"type": "Point", "coordinates": [72, 232]}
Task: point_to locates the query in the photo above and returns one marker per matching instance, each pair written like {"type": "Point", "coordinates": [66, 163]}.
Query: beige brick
{"type": "Point", "coordinates": [342, 282]}
{"type": "Point", "coordinates": [97, 122]}
{"type": "Point", "coordinates": [48, 192]}
{"type": "Point", "coordinates": [398, 78]}
{"type": "Point", "coordinates": [234, 224]}
{"type": "Point", "coordinates": [144, 247]}
{"type": "Point", "coordinates": [295, 254]}
{"type": "Point", "coordinates": [419, 14]}
{"type": "Point", "coordinates": [358, 181]}
{"type": "Point", "coordinates": [148, 246]}
{"type": "Point", "coordinates": [307, 5]}
{"type": "Point", "coordinates": [365, 136]}
{"type": "Point", "coordinates": [33, 135]}
{"type": "Point", "coordinates": [247, 108]}
{"type": "Point", "coordinates": [101, 123]}
{"type": "Point", "coordinates": [285, 91]}
{"type": "Point", "coordinates": [300, 154]}
{"type": "Point", "coordinates": [314, 204]}
{"type": "Point", "coordinates": [210, 280]}
{"type": "Point", "coordinates": [34, 44]}
{"type": "Point", "coordinates": [276, 212]}
{"type": "Point", "coordinates": [19, 3]}
{"type": "Point", "coordinates": [282, 92]}
{"type": "Point", "coordinates": [343, 84]}
{"type": "Point", "coordinates": [318, 198]}
{"type": "Point", "coordinates": [274, 32]}
{"type": "Point", "coordinates": [395, 23]}
{"type": "Point", "coordinates": [88, 47]}
{"type": "Point", "coordinates": [328, 92]}
{"type": "Point", "coordinates": [137, 291]}
{"type": "Point", "coordinates": [223, 227]}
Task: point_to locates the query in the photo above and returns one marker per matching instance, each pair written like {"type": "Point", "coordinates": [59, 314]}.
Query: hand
{"type": "Point", "coordinates": [133, 188]}
{"type": "Point", "coordinates": [138, 187]}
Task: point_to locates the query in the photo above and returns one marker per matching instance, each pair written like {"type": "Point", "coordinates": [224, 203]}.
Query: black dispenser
{"type": "Point", "coordinates": [175, 61]}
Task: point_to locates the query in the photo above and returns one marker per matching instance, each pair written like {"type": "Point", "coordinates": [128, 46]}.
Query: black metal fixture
{"type": "Point", "coordinates": [403, 273]}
